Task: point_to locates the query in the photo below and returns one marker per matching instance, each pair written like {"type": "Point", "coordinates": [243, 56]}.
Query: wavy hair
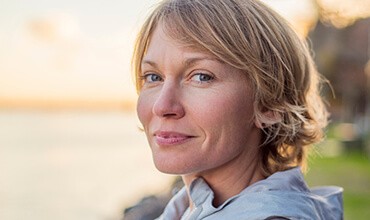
{"type": "Point", "coordinates": [250, 36]}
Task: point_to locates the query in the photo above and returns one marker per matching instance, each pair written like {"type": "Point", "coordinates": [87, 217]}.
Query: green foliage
{"type": "Point", "coordinates": [350, 171]}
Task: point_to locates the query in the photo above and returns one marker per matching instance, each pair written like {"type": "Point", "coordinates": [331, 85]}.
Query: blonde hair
{"type": "Point", "coordinates": [251, 37]}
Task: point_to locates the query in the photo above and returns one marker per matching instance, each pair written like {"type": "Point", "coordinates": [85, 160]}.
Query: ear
{"type": "Point", "coordinates": [267, 118]}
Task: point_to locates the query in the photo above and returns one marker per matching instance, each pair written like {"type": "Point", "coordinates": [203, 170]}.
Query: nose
{"type": "Point", "coordinates": [168, 103]}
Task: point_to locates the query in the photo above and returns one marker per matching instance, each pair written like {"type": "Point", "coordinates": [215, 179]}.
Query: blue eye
{"type": "Point", "coordinates": [202, 77]}
{"type": "Point", "coordinates": [152, 77]}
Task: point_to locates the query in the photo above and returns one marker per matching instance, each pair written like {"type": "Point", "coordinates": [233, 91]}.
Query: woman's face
{"type": "Point", "coordinates": [197, 112]}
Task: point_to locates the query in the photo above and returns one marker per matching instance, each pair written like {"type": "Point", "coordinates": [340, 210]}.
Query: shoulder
{"type": "Point", "coordinates": [274, 205]}
{"type": "Point", "coordinates": [271, 205]}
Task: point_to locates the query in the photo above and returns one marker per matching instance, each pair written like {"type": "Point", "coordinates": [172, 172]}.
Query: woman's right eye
{"type": "Point", "coordinates": [152, 77]}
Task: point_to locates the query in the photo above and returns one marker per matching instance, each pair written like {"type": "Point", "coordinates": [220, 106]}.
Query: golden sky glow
{"type": "Point", "coordinates": [342, 13]}
{"type": "Point", "coordinates": [65, 51]}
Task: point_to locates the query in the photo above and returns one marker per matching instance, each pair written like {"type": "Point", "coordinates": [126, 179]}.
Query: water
{"type": "Point", "coordinates": [73, 165]}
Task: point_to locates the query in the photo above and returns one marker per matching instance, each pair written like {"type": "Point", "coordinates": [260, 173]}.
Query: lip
{"type": "Point", "coordinates": [168, 138]}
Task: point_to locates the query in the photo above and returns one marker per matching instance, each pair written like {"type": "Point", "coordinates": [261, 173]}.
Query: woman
{"type": "Point", "coordinates": [229, 100]}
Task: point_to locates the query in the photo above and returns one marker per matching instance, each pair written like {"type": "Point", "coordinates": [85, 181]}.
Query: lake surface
{"type": "Point", "coordinates": [73, 165]}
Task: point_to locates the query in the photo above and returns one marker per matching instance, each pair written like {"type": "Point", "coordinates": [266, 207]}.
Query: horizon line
{"type": "Point", "coordinates": [67, 104]}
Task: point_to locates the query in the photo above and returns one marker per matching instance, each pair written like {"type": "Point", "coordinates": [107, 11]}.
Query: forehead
{"type": "Point", "coordinates": [161, 40]}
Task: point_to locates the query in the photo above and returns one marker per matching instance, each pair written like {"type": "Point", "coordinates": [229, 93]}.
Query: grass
{"type": "Point", "coordinates": [350, 171]}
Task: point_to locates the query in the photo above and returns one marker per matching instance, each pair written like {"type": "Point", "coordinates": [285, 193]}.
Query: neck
{"type": "Point", "coordinates": [230, 179]}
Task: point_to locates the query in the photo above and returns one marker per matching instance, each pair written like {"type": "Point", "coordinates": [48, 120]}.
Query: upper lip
{"type": "Point", "coordinates": [170, 134]}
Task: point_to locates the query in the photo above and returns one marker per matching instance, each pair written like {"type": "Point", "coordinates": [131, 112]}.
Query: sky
{"type": "Point", "coordinates": [80, 50]}
{"type": "Point", "coordinates": [68, 49]}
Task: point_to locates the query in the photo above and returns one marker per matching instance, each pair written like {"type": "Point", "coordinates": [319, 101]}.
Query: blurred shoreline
{"type": "Point", "coordinates": [127, 105]}
{"type": "Point", "coordinates": [73, 164]}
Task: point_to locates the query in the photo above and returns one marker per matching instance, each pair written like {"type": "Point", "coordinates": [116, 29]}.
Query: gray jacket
{"type": "Point", "coordinates": [283, 195]}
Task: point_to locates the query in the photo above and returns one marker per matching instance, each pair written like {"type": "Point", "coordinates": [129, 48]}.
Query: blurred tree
{"type": "Point", "coordinates": [341, 41]}
{"type": "Point", "coordinates": [341, 55]}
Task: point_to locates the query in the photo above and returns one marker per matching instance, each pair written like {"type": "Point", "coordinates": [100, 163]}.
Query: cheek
{"type": "Point", "coordinates": [227, 118]}
{"type": "Point", "coordinates": [143, 109]}
{"type": "Point", "coordinates": [224, 109]}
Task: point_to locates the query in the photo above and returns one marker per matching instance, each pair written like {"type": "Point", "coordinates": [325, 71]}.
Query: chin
{"type": "Point", "coordinates": [170, 169]}
{"type": "Point", "coordinates": [174, 167]}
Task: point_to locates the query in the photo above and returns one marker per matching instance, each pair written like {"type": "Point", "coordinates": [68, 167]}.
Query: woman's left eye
{"type": "Point", "coordinates": [202, 77]}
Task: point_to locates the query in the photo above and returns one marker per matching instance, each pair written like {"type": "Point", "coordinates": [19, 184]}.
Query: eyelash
{"type": "Point", "coordinates": [210, 77]}
{"type": "Point", "coordinates": [145, 78]}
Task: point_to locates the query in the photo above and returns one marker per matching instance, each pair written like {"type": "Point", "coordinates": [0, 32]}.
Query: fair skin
{"type": "Point", "coordinates": [197, 113]}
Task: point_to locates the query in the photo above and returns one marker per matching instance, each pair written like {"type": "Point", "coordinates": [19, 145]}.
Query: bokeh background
{"type": "Point", "coordinates": [70, 147]}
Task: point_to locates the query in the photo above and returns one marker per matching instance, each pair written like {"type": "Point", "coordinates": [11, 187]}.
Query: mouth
{"type": "Point", "coordinates": [164, 138]}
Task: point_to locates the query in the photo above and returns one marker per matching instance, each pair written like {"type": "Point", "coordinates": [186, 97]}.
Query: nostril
{"type": "Point", "coordinates": [170, 115]}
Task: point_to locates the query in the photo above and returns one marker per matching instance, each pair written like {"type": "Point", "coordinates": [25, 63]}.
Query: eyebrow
{"type": "Point", "coordinates": [187, 63]}
{"type": "Point", "coordinates": [149, 62]}
{"type": "Point", "coordinates": [192, 61]}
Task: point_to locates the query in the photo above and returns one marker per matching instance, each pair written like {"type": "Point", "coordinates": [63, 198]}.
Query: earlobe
{"type": "Point", "coordinates": [267, 118]}
{"type": "Point", "coordinates": [258, 123]}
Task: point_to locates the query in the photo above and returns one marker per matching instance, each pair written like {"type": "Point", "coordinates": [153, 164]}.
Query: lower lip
{"type": "Point", "coordinates": [168, 141]}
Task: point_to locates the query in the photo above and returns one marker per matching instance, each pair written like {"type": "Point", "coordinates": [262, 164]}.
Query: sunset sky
{"type": "Point", "coordinates": [67, 49]}
{"type": "Point", "coordinates": [80, 50]}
